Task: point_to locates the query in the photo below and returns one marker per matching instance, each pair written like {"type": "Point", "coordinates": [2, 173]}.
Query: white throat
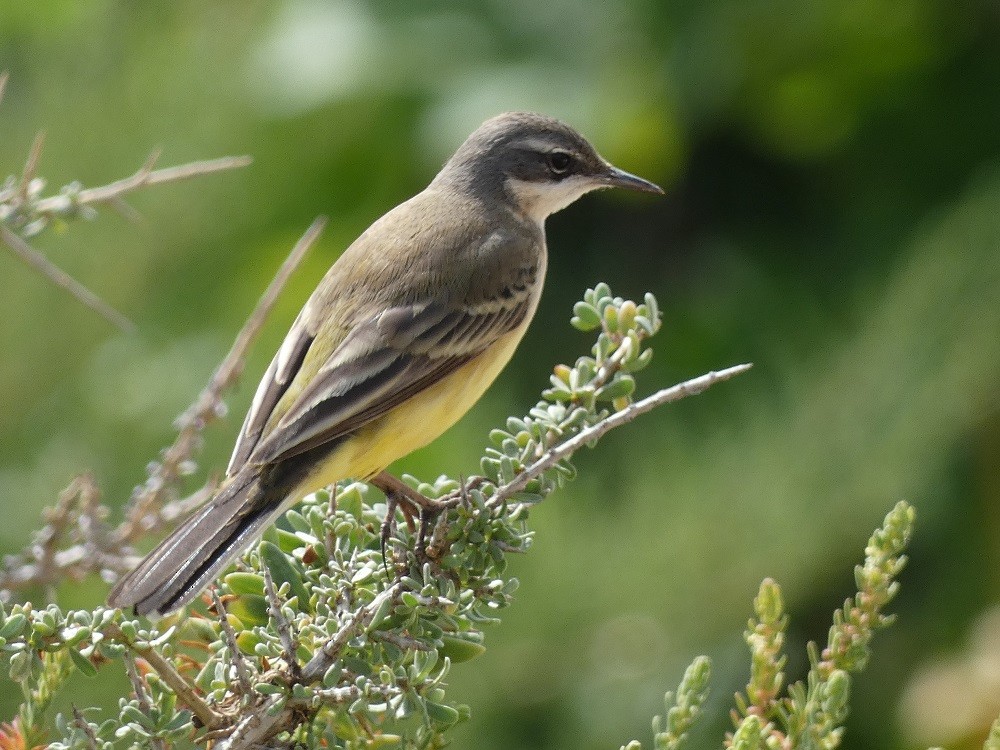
{"type": "Point", "coordinates": [540, 199]}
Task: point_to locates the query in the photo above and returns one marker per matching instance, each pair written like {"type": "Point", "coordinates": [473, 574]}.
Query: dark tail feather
{"type": "Point", "coordinates": [186, 561]}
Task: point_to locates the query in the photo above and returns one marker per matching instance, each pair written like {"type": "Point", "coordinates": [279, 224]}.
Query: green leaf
{"type": "Point", "coordinates": [460, 649]}
{"type": "Point", "coordinates": [251, 609]}
{"type": "Point", "coordinates": [82, 663]}
{"type": "Point", "coordinates": [242, 582]}
{"type": "Point", "coordinates": [247, 641]}
{"type": "Point", "coordinates": [349, 501]}
{"type": "Point", "coordinates": [14, 626]}
{"type": "Point", "coordinates": [441, 714]}
{"type": "Point", "coordinates": [20, 666]}
{"type": "Point", "coordinates": [586, 317]}
{"type": "Point", "coordinates": [283, 571]}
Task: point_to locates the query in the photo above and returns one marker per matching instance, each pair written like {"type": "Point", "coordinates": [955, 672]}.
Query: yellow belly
{"type": "Point", "coordinates": [414, 423]}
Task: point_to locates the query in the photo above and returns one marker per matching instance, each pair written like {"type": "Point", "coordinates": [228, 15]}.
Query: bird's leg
{"type": "Point", "coordinates": [427, 518]}
{"type": "Point", "coordinates": [404, 493]}
{"type": "Point", "coordinates": [400, 495]}
{"type": "Point", "coordinates": [386, 530]}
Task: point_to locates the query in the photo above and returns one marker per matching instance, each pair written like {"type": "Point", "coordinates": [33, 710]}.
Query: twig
{"type": "Point", "coordinates": [166, 671]}
{"type": "Point", "coordinates": [25, 213]}
{"type": "Point", "coordinates": [139, 688]}
{"type": "Point", "coordinates": [259, 725]}
{"type": "Point", "coordinates": [78, 718]}
{"type": "Point", "coordinates": [42, 563]}
{"type": "Point", "coordinates": [403, 642]}
{"type": "Point", "coordinates": [122, 207]}
{"type": "Point", "coordinates": [96, 547]}
{"type": "Point", "coordinates": [208, 406]}
{"type": "Point", "coordinates": [348, 694]}
{"type": "Point", "coordinates": [564, 450]}
{"type": "Point", "coordinates": [63, 280]}
{"type": "Point", "coordinates": [267, 721]}
{"type": "Point", "coordinates": [236, 655]}
{"type": "Point", "coordinates": [328, 653]}
{"type": "Point", "coordinates": [4, 76]}
{"type": "Point", "coordinates": [282, 625]}
{"type": "Point", "coordinates": [31, 165]}
{"type": "Point", "coordinates": [145, 176]}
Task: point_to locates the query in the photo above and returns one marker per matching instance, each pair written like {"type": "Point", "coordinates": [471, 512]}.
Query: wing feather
{"type": "Point", "coordinates": [276, 380]}
{"type": "Point", "coordinates": [417, 347]}
{"type": "Point", "coordinates": [456, 284]}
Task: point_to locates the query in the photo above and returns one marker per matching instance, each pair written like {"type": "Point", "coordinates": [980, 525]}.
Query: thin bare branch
{"type": "Point", "coordinates": [186, 693]}
{"type": "Point", "coordinates": [31, 164]}
{"type": "Point", "coordinates": [141, 694]}
{"type": "Point", "coordinates": [236, 656]}
{"type": "Point", "coordinates": [281, 624]}
{"type": "Point", "coordinates": [330, 650]}
{"type": "Point", "coordinates": [257, 726]}
{"type": "Point", "coordinates": [562, 451]}
{"type": "Point", "coordinates": [4, 77]}
{"type": "Point", "coordinates": [122, 206]}
{"type": "Point", "coordinates": [76, 540]}
{"type": "Point", "coordinates": [149, 497]}
{"type": "Point", "coordinates": [145, 176]}
{"type": "Point", "coordinates": [78, 718]}
{"type": "Point", "coordinates": [232, 366]}
{"type": "Point", "coordinates": [63, 280]}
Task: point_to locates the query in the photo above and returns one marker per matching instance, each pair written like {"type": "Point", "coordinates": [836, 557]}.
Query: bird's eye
{"type": "Point", "coordinates": [559, 162]}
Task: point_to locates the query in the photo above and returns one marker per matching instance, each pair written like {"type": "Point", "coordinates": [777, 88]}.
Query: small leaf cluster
{"type": "Point", "coordinates": [684, 708]}
{"type": "Point", "coordinates": [385, 681]}
{"type": "Point", "coordinates": [765, 635]}
{"type": "Point", "coordinates": [45, 646]}
{"type": "Point", "coordinates": [579, 395]}
{"type": "Point", "coordinates": [21, 206]}
{"type": "Point", "coordinates": [813, 712]}
{"type": "Point", "coordinates": [349, 648]}
{"type": "Point", "coordinates": [154, 720]}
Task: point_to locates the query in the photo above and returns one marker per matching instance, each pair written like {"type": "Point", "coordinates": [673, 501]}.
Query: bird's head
{"type": "Point", "coordinates": [539, 164]}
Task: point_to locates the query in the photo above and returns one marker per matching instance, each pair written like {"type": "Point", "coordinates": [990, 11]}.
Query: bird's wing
{"type": "Point", "coordinates": [383, 362]}
{"type": "Point", "coordinates": [434, 297]}
{"type": "Point", "coordinates": [273, 385]}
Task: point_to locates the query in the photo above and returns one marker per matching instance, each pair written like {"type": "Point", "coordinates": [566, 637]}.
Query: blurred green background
{"type": "Point", "coordinates": [833, 215]}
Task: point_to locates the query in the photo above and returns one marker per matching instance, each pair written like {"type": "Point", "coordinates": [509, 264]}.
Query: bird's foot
{"type": "Point", "coordinates": [413, 505]}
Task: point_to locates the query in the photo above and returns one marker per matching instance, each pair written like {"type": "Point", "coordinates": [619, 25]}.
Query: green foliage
{"type": "Point", "coordinates": [684, 708]}
{"type": "Point", "coordinates": [320, 641]}
{"type": "Point", "coordinates": [812, 715]}
{"type": "Point", "coordinates": [831, 216]}
{"type": "Point", "coordinates": [336, 645]}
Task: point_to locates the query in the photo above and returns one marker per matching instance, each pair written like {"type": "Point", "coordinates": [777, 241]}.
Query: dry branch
{"type": "Point", "coordinates": [76, 539]}
{"type": "Point", "coordinates": [24, 213]}
{"type": "Point", "coordinates": [145, 176]}
{"type": "Point", "coordinates": [63, 280]}
{"type": "Point", "coordinates": [144, 511]}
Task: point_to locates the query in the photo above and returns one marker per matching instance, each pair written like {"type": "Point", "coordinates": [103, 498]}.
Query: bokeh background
{"type": "Point", "coordinates": [833, 215]}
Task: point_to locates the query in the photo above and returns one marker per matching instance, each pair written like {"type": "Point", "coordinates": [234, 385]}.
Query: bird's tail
{"type": "Point", "coordinates": [182, 565]}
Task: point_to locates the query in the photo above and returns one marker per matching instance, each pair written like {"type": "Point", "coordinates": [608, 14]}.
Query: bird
{"type": "Point", "coordinates": [401, 337]}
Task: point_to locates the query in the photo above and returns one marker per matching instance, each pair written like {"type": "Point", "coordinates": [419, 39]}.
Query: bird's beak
{"type": "Point", "coordinates": [615, 177]}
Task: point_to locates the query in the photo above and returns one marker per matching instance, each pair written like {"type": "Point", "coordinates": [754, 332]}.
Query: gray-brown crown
{"type": "Point", "coordinates": [529, 148]}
